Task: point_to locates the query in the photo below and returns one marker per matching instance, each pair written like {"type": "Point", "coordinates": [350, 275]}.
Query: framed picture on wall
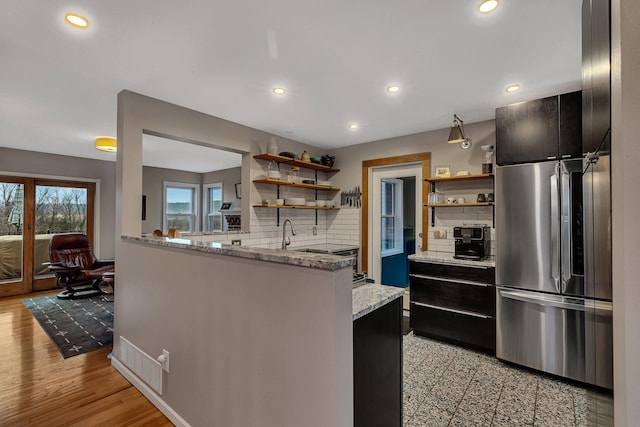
{"type": "Point", "coordinates": [443, 171]}
{"type": "Point", "coordinates": [238, 190]}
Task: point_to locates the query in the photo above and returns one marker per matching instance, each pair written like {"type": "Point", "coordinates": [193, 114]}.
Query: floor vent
{"type": "Point", "coordinates": [141, 364]}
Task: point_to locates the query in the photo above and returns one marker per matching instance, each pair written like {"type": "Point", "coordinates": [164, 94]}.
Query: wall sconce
{"type": "Point", "coordinates": [456, 135]}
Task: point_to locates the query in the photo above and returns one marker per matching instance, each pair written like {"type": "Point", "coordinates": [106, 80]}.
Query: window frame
{"type": "Point", "coordinates": [397, 216]}
{"type": "Point", "coordinates": [206, 202]}
{"type": "Point", "coordinates": [195, 197]}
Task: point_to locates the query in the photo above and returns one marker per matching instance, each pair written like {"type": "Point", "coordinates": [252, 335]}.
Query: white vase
{"type": "Point", "coordinates": [272, 146]}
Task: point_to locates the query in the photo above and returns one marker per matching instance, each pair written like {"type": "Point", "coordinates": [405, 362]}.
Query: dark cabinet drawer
{"type": "Point", "coordinates": [473, 331]}
{"type": "Point", "coordinates": [480, 274]}
{"type": "Point", "coordinates": [448, 293]}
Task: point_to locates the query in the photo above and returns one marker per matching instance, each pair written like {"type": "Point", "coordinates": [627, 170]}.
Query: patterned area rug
{"type": "Point", "coordinates": [75, 326]}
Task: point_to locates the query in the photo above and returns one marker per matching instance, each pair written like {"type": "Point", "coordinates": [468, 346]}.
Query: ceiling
{"type": "Point", "coordinates": [59, 84]}
{"type": "Point", "coordinates": [171, 154]}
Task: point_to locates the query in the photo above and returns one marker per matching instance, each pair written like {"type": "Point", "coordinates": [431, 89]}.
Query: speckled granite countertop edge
{"type": "Point", "coordinates": [369, 297]}
{"type": "Point", "coordinates": [447, 258]}
{"type": "Point", "coordinates": [301, 259]}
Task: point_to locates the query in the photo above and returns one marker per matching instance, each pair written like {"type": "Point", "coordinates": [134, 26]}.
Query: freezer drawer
{"type": "Point", "coordinates": [569, 337]}
{"type": "Point", "coordinates": [466, 329]}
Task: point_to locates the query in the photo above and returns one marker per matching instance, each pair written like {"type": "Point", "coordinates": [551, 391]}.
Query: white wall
{"type": "Point", "coordinates": [625, 170]}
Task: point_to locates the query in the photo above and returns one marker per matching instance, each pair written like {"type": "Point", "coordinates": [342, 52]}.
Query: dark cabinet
{"type": "Point", "coordinates": [377, 367]}
{"type": "Point", "coordinates": [543, 129]}
{"type": "Point", "coordinates": [596, 75]}
{"type": "Point", "coordinates": [454, 303]}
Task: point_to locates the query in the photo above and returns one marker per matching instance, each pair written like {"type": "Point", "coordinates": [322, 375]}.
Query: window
{"type": "Point", "coordinates": [392, 241]}
{"type": "Point", "coordinates": [180, 206]}
{"type": "Point", "coordinates": [213, 201]}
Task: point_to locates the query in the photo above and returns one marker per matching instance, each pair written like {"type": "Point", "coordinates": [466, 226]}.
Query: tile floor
{"type": "Point", "coordinates": [446, 385]}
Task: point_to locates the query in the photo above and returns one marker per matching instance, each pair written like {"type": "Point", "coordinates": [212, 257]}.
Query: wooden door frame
{"type": "Point", "coordinates": [425, 160]}
{"type": "Point", "coordinates": [28, 283]}
{"type": "Point", "coordinates": [42, 284]}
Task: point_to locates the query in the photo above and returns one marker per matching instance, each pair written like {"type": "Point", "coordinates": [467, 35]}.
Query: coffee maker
{"type": "Point", "coordinates": [472, 242]}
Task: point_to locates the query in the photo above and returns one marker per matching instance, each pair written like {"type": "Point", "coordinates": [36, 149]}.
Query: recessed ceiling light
{"type": "Point", "coordinates": [512, 88]}
{"type": "Point", "coordinates": [107, 143]}
{"type": "Point", "coordinates": [76, 20]}
{"type": "Point", "coordinates": [393, 89]}
{"type": "Point", "coordinates": [279, 90]}
{"type": "Point", "coordinates": [353, 126]}
{"type": "Point", "coordinates": [488, 6]}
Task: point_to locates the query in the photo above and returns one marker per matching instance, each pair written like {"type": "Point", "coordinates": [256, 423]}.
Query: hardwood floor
{"type": "Point", "coordinates": [40, 388]}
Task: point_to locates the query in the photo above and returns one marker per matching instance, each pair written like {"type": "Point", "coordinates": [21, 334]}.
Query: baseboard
{"type": "Point", "coordinates": [149, 393]}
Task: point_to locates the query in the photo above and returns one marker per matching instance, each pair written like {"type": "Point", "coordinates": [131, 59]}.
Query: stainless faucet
{"type": "Point", "coordinates": [285, 240]}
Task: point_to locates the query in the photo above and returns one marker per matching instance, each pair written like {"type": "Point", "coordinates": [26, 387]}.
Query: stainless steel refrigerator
{"type": "Point", "coordinates": [553, 268]}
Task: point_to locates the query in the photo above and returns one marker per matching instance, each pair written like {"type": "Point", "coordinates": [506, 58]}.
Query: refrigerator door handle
{"type": "Point", "coordinates": [565, 229]}
{"type": "Point", "coordinates": [547, 301]}
{"type": "Point", "coordinates": [555, 231]}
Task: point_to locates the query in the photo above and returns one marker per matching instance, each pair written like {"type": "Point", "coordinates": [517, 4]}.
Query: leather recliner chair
{"type": "Point", "coordinates": [77, 269]}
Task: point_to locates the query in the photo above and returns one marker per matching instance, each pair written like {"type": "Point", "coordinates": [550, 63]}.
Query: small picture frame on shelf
{"type": "Point", "coordinates": [442, 171]}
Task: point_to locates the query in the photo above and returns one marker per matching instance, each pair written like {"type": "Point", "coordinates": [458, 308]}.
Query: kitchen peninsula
{"type": "Point", "coordinates": [255, 336]}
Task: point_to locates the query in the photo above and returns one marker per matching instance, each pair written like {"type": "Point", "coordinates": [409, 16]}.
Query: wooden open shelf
{"type": "Point", "coordinates": [460, 178]}
{"type": "Point", "coordinates": [298, 185]}
{"type": "Point", "coordinates": [292, 162]}
{"type": "Point", "coordinates": [317, 208]}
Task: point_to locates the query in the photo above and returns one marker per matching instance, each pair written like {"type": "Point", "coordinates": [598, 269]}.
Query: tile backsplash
{"type": "Point", "coordinates": [448, 217]}
{"type": "Point", "coordinates": [341, 227]}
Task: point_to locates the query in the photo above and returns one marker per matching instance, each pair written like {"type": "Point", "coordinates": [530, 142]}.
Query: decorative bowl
{"type": "Point", "coordinates": [316, 160]}
{"type": "Point", "coordinates": [288, 154]}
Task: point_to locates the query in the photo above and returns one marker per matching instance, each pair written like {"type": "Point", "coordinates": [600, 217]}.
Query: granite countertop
{"type": "Point", "coordinates": [327, 247]}
{"type": "Point", "coordinates": [367, 298]}
{"type": "Point", "coordinates": [291, 257]}
{"type": "Point", "coordinates": [447, 258]}
{"type": "Point", "coordinates": [208, 233]}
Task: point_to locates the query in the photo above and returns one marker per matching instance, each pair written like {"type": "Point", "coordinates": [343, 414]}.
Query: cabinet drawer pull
{"type": "Point", "coordinates": [466, 313]}
{"type": "Point", "coordinates": [454, 264]}
{"type": "Point", "coordinates": [444, 279]}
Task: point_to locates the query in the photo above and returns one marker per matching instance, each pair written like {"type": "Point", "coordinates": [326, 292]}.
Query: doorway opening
{"type": "Point", "coordinates": [395, 222]}
{"type": "Point", "coordinates": [392, 231]}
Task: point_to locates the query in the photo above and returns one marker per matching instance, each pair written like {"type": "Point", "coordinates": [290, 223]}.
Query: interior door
{"type": "Point", "coordinates": [32, 212]}
{"type": "Point", "coordinates": [387, 215]}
